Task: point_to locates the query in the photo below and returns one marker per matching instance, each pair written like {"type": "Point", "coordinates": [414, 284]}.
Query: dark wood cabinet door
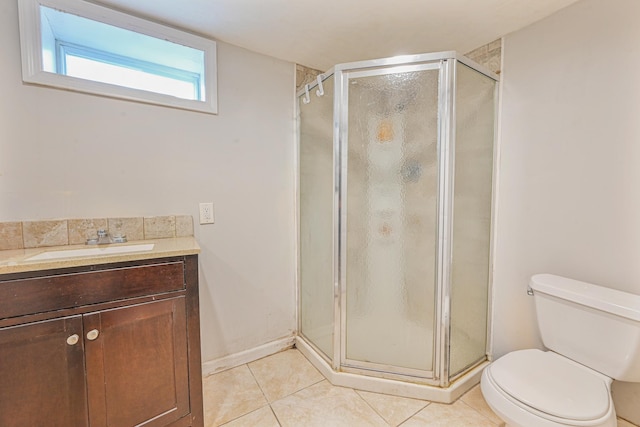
{"type": "Point", "coordinates": [137, 364]}
{"type": "Point", "coordinates": [42, 374]}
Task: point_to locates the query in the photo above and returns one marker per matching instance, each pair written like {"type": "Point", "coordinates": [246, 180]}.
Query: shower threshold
{"type": "Point", "coordinates": [457, 388]}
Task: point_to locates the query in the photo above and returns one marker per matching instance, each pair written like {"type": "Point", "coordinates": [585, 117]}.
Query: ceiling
{"type": "Point", "coordinates": [320, 34]}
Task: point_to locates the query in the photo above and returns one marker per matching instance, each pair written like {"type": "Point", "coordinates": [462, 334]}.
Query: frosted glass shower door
{"type": "Point", "coordinates": [316, 213]}
{"type": "Point", "coordinates": [391, 219]}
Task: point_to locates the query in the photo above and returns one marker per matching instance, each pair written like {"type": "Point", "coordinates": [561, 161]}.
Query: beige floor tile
{"type": "Point", "coordinates": [324, 405]}
{"type": "Point", "coordinates": [457, 414]}
{"type": "Point", "coordinates": [284, 373]}
{"type": "Point", "coordinates": [475, 399]}
{"type": "Point", "coordinates": [395, 410]}
{"type": "Point", "coordinates": [262, 417]}
{"type": "Point", "coordinates": [229, 395]}
{"type": "Point", "coordinates": [623, 423]}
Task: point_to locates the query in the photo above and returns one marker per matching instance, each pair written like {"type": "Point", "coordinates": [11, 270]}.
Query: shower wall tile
{"type": "Point", "coordinates": [45, 233]}
{"type": "Point", "coordinates": [489, 55]}
{"type": "Point", "coordinates": [133, 228]}
{"type": "Point", "coordinates": [305, 75]}
{"type": "Point", "coordinates": [82, 229]}
{"type": "Point", "coordinates": [11, 235]}
{"type": "Point", "coordinates": [159, 227]}
{"type": "Point", "coordinates": [494, 45]}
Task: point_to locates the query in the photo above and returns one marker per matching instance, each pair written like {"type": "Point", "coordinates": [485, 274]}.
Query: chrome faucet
{"type": "Point", "coordinates": [104, 238]}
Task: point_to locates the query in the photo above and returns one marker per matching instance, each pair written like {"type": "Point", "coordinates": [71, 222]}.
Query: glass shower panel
{"type": "Point", "coordinates": [391, 218]}
{"type": "Point", "coordinates": [474, 129]}
{"type": "Point", "coordinates": [316, 219]}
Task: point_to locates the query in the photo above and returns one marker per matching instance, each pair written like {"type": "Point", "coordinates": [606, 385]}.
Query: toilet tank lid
{"type": "Point", "coordinates": [609, 300]}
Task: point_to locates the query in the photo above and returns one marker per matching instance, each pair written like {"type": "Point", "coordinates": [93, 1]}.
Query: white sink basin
{"type": "Point", "coordinates": [91, 251]}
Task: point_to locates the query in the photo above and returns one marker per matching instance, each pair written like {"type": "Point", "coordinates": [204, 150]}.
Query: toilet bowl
{"type": "Point", "coordinates": [533, 388]}
{"type": "Point", "coordinates": [592, 336]}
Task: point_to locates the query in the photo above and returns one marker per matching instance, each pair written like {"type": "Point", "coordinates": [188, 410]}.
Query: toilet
{"type": "Point", "coordinates": [592, 336]}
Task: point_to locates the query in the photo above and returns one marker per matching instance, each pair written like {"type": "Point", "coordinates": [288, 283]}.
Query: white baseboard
{"type": "Point", "coordinates": [231, 361]}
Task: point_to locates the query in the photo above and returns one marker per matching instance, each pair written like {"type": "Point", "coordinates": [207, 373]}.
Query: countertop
{"type": "Point", "coordinates": [17, 260]}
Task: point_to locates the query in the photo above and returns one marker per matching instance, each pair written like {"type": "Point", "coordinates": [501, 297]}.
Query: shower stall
{"type": "Point", "coordinates": [395, 190]}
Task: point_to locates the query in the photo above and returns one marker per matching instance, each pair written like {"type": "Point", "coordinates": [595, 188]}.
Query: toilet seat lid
{"type": "Point", "coordinates": [552, 384]}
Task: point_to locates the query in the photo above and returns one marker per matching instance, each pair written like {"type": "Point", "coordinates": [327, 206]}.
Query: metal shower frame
{"type": "Point", "coordinates": [445, 62]}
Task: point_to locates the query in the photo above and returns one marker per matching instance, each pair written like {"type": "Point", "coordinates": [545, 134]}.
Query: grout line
{"type": "Point", "coordinates": [372, 408]}
{"type": "Point", "coordinates": [322, 378]}
{"type": "Point", "coordinates": [303, 388]}
{"type": "Point", "coordinates": [247, 413]}
{"type": "Point", "coordinates": [426, 403]}
{"type": "Point", "coordinates": [627, 421]}
{"type": "Point", "coordinates": [259, 386]}
{"type": "Point", "coordinates": [480, 413]}
{"type": "Point", "coordinates": [415, 413]}
{"type": "Point", "coordinates": [275, 415]}
{"type": "Point", "coordinates": [405, 421]}
{"type": "Point", "coordinates": [240, 416]}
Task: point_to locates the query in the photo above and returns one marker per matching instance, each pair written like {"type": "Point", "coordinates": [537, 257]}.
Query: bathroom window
{"type": "Point", "coordinates": [74, 45]}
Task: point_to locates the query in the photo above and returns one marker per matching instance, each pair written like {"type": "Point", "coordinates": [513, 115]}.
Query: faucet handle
{"type": "Point", "coordinates": [102, 232]}
{"type": "Point", "coordinates": [122, 238]}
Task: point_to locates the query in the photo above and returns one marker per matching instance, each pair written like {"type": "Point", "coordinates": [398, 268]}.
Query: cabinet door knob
{"type": "Point", "coordinates": [92, 334]}
{"type": "Point", "coordinates": [73, 339]}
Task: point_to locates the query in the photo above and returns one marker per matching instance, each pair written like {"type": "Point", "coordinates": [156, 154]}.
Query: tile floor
{"type": "Point", "coordinates": [285, 390]}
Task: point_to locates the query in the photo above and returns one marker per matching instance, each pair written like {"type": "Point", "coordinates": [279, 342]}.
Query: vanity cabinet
{"type": "Point", "coordinates": [112, 345]}
{"type": "Point", "coordinates": [42, 378]}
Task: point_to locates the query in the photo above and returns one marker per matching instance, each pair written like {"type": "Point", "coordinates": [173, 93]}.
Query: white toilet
{"type": "Point", "coordinates": [593, 337]}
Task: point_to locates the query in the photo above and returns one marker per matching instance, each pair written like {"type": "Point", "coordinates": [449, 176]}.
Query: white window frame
{"type": "Point", "coordinates": [33, 69]}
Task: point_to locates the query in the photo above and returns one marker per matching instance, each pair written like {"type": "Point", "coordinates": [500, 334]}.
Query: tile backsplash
{"type": "Point", "coordinates": [11, 235]}
{"type": "Point", "coordinates": [160, 227]}
{"type": "Point", "coordinates": [45, 233]}
{"type": "Point", "coordinates": [80, 229]}
{"type": "Point", "coordinates": [34, 234]}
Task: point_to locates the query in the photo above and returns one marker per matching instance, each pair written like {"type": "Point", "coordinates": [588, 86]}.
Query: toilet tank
{"type": "Point", "coordinates": [596, 326]}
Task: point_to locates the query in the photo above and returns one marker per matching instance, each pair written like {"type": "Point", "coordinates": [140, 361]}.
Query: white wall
{"type": "Point", "coordinates": [569, 184]}
{"type": "Point", "coordinates": [72, 155]}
